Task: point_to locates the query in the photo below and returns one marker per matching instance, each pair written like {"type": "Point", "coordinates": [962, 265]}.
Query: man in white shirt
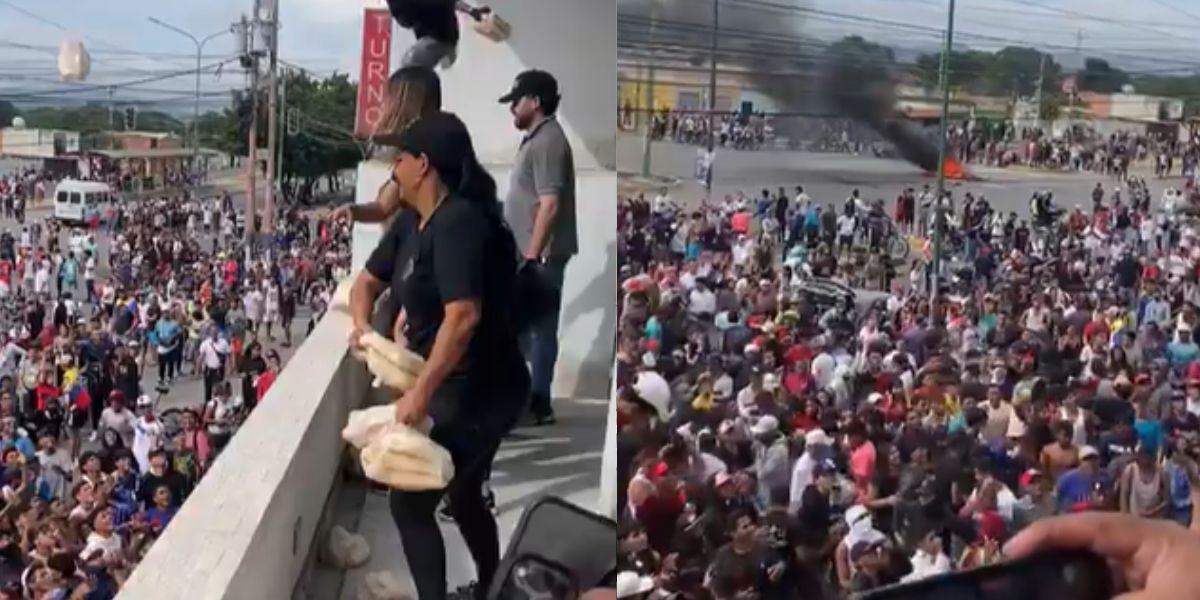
{"type": "Point", "coordinates": [118, 418]}
{"type": "Point", "coordinates": [802, 200]}
{"type": "Point", "coordinates": [929, 559]}
{"type": "Point", "coordinates": [10, 355]}
{"type": "Point", "coordinates": [211, 355]}
{"type": "Point", "coordinates": [253, 304]}
{"type": "Point", "coordinates": [662, 203]}
{"type": "Point", "coordinates": [702, 302]}
{"type": "Point", "coordinates": [816, 450]}
{"type": "Point", "coordinates": [147, 434]}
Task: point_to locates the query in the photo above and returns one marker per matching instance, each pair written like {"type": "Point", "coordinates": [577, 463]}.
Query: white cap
{"type": "Point", "coordinates": [651, 387]}
{"type": "Point", "coordinates": [1087, 452]}
{"type": "Point", "coordinates": [817, 437]}
{"type": "Point", "coordinates": [144, 401]}
{"type": "Point", "coordinates": [765, 424]}
{"type": "Point", "coordinates": [874, 398]}
{"type": "Point", "coordinates": [629, 583]}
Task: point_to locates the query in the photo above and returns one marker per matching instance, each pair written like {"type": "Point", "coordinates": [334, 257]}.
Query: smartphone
{"type": "Point", "coordinates": [1074, 574]}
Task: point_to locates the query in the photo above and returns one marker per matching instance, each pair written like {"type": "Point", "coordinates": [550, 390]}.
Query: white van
{"type": "Point", "coordinates": [75, 200]}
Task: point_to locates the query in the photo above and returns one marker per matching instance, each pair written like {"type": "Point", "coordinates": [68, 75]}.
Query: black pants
{"type": "Point", "coordinates": [472, 439]}
{"type": "Point", "coordinates": [169, 363]}
{"type": "Point", "coordinates": [211, 378]}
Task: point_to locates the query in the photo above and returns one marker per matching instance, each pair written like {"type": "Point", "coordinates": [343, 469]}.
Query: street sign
{"type": "Point", "coordinates": [372, 81]}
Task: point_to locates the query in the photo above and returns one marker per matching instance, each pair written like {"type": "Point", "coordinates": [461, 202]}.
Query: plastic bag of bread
{"type": "Point", "coordinates": [405, 459]}
{"type": "Point", "coordinates": [392, 364]}
{"type": "Point", "coordinates": [367, 424]}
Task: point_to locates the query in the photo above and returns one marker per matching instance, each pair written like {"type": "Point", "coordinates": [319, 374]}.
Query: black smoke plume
{"type": "Point", "coordinates": [866, 94]}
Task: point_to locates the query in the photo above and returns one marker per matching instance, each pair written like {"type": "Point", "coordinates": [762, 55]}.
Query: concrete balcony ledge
{"type": "Point", "coordinates": [247, 529]}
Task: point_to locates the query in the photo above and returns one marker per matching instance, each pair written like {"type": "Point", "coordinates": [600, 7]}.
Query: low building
{"type": "Point", "coordinates": [23, 142]}
{"type": "Point", "coordinates": [143, 140]}
{"type": "Point", "coordinates": [141, 169]}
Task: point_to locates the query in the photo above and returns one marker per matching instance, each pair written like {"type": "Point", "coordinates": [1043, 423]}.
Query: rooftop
{"type": "Point", "coordinates": [153, 153]}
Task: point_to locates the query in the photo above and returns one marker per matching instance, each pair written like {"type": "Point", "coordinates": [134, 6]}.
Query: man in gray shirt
{"type": "Point", "coordinates": [540, 208]}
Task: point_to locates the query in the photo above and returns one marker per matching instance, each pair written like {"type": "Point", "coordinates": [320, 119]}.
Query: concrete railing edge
{"type": "Point", "coordinates": [227, 540]}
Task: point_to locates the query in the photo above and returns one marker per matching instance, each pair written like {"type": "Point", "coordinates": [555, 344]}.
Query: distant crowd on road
{"type": "Point", "coordinates": [97, 452]}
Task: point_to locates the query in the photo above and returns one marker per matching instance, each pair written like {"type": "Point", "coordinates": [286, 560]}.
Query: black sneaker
{"type": "Point", "coordinates": [543, 420]}
{"type": "Point", "coordinates": [489, 500]}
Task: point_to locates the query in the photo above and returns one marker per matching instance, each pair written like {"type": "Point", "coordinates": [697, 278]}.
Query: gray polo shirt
{"type": "Point", "coordinates": [544, 165]}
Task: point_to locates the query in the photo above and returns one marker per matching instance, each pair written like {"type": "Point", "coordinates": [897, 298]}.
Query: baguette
{"type": "Point", "coordinates": [398, 355]}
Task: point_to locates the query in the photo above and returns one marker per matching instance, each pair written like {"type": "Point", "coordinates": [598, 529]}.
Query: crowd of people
{"type": "Point", "coordinates": [108, 329]}
{"type": "Point", "coordinates": [778, 442]}
{"type": "Point", "coordinates": [1078, 148]}
{"type": "Point", "coordinates": [733, 131]}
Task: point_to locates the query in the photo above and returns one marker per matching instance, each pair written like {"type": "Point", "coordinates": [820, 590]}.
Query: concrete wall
{"type": "Point", "coordinates": [576, 41]}
{"type": "Point", "coordinates": [247, 529]}
{"type": "Point", "coordinates": [36, 142]}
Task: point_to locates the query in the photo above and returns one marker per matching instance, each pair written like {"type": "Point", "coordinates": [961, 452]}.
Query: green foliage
{"type": "Point", "coordinates": [7, 112]}
{"type": "Point", "coordinates": [94, 118]}
{"type": "Point", "coordinates": [1009, 71]}
{"type": "Point", "coordinates": [322, 146]}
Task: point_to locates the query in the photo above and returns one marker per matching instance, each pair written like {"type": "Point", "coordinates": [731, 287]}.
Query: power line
{"type": "Point", "coordinates": [931, 31]}
{"type": "Point", "coordinates": [61, 27]}
{"type": "Point", "coordinates": [98, 87]}
{"type": "Point", "coordinates": [1172, 7]}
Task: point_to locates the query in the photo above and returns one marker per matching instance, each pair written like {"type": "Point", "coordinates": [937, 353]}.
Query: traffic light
{"type": "Point", "coordinates": [130, 118]}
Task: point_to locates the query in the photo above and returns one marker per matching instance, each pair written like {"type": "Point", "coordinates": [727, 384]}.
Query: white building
{"type": "Point", "coordinates": [22, 142]}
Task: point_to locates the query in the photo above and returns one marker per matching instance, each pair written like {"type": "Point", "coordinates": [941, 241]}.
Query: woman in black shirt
{"type": "Point", "coordinates": [451, 261]}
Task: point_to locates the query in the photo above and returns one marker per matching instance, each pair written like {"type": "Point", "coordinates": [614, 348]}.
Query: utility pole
{"type": "Point", "coordinates": [282, 131]}
{"type": "Point", "coordinates": [712, 96]}
{"type": "Point", "coordinates": [250, 59]}
{"type": "Point", "coordinates": [1041, 82]}
{"type": "Point", "coordinates": [111, 117]}
{"type": "Point", "coordinates": [269, 14]}
{"type": "Point", "coordinates": [938, 203]}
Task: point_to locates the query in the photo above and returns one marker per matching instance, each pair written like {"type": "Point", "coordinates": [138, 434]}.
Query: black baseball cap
{"type": "Point", "coordinates": [441, 137]}
{"type": "Point", "coordinates": [533, 82]}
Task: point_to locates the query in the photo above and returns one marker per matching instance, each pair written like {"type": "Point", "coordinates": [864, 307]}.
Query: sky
{"type": "Point", "coordinates": [324, 35]}
{"type": "Point", "coordinates": [318, 35]}
{"type": "Point", "coordinates": [1140, 35]}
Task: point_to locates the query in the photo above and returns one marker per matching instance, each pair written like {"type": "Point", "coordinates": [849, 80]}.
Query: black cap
{"type": "Point", "coordinates": [533, 82]}
{"type": "Point", "coordinates": [441, 137]}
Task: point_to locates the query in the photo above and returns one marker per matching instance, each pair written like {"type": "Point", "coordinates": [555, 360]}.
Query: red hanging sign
{"type": "Point", "coordinates": [372, 80]}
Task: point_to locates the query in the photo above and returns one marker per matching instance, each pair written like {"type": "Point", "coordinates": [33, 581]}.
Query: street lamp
{"type": "Point", "coordinates": [199, 52]}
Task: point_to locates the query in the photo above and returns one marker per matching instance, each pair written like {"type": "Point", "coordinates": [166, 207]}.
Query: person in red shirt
{"type": "Point", "coordinates": [799, 380]}
{"type": "Point", "coordinates": [46, 388]}
{"type": "Point", "coordinates": [862, 458]}
{"type": "Point", "coordinates": [267, 377]}
{"type": "Point", "coordinates": [6, 268]}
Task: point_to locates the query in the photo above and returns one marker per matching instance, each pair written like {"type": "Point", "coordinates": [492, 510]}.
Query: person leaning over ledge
{"type": "Point", "coordinates": [450, 261]}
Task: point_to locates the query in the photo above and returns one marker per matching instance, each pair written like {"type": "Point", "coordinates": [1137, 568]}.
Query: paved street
{"type": "Point", "coordinates": [830, 177]}
{"type": "Point", "coordinates": [187, 391]}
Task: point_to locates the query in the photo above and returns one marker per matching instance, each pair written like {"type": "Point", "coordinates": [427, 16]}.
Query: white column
{"type": "Point", "coordinates": [575, 40]}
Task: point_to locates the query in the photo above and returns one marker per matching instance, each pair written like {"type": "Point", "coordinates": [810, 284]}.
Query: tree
{"type": "Point", "coordinates": [7, 112]}
{"type": "Point", "coordinates": [1017, 69]}
{"type": "Point", "coordinates": [966, 69]}
{"type": "Point", "coordinates": [1098, 76]}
